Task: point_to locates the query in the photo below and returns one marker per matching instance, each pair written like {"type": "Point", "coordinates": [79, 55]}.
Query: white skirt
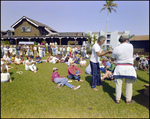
{"type": "Point", "coordinates": [125, 72]}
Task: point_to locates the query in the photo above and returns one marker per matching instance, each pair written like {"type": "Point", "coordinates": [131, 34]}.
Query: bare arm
{"type": "Point", "coordinates": [103, 53]}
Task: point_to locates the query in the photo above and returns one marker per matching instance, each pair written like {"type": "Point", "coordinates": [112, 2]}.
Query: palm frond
{"type": "Point", "coordinates": [113, 9]}
{"type": "Point", "coordinates": [102, 9]}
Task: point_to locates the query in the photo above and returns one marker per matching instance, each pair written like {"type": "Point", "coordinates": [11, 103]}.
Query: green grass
{"type": "Point", "coordinates": [35, 95]}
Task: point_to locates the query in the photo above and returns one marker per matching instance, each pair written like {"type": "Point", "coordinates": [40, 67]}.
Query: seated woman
{"type": "Point", "coordinates": [61, 81]}
{"type": "Point", "coordinates": [109, 72]}
{"type": "Point", "coordinates": [3, 64]}
{"type": "Point", "coordinates": [22, 59]}
{"type": "Point", "coordinates": [82, 62]}
{"type": "Point", "coordinates": [72, 73]}
{"type": "Point", "coordinates": [5, 76]}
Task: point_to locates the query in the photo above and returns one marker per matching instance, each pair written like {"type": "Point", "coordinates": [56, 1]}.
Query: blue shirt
{"type": "Point", "coordinates": [108, 63]}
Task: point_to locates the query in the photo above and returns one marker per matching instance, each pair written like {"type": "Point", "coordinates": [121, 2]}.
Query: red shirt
{"type": "Point", "coordinates": [55, 75]}
{"type": "Point", "coordinates": [71, 70]}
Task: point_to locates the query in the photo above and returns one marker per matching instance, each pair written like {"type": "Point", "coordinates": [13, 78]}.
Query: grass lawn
{"type": "Point", "coordinates": [35, 95]}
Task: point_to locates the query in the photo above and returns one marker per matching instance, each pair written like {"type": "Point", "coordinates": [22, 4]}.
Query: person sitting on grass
{"type": "Point", "coordinates": [145, 64]}
{"type": "Point", "coordinates": [3, 64]}
{"type": "Point", "coordinates": [38, 59]}
{"type": "Point", "coordinates": [54, 60]}
{"type": "Point", "coordinates": [5, 76]}
{"type": "Point", "coordinates": [86, 56]}
{"type": "Point", "coordinates": [82, 63]}
{"type": "Point", "coordinates": [109, 72]}
{"type": "Point", "coordinates": [29, 65]}
{"type": "Point", "coordinates": [32, 57]}
{"type": "Point", "coordinates": [61, 81]}
{"type": "Point", "coordinates": [17, 60]}
{"type": "Point", "coordinates": [72, 73]}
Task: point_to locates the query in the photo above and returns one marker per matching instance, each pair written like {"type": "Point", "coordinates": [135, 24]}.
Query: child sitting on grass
{"type": "Point", "coordinates": [5, 77]}
{"type": "Point", "coordinates": [61, 81]}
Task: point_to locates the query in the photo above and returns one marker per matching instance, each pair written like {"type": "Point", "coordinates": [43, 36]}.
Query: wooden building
{"type": "Point", "coordinates": [26, 29]}
{"type": "Point", "coordinates": [140, 43]}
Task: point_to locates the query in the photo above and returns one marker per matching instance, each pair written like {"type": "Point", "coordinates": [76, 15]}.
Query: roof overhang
{"type": "Point", "coordinates": [21, 20]}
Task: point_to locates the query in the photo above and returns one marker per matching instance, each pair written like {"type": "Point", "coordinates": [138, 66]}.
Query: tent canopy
{"type": "Point", "coordinates": [27, 43]}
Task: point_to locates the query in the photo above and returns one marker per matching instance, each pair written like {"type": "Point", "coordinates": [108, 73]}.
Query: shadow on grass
{"type": "Point", "coordinates": [109, 89]}
{"type": "Point", "coordinates": [141, 98]}
{"type": "Point", "coordinates": [10, 73]}
{"type": "Point", "coordinates": [142, 79]}
{"type": "Point", "coordinates": [89, 80]}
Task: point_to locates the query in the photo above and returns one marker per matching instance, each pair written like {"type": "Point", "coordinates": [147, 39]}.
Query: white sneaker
{"type": "Point", "coordinates": [69, 80]}
{"type": "Point", "coordinates": [77, 87]}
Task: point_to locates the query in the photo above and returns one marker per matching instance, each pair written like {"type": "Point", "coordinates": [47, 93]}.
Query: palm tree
{"type": "Point", "coordinates": [109, 6]}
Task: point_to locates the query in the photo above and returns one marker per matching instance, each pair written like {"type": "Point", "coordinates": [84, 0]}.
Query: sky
{"type": "Point", "coordinates": [79, 16]}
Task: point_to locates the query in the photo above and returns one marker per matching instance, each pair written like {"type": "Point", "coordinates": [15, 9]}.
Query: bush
{"type": "Point", "coordinates": [89, 51]}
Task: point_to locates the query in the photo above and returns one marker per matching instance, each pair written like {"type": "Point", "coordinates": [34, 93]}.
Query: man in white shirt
{"type": "Point", "coordinates": [35, 49]}
{"type": "Point", "coordinates": [68, 50]}
{"type": "Point", "coordinates": [94, 62]}
{"type": "Point", "coordinates": [30, 65]}
{"type": "Point", "coordinates": [82, 62]}
{"type": "Point", "coordinates": [54, 60]}
{"type": "Point", "coordinates": [123, 54]}
{"type": "Point", "coordinates": [17, 61]}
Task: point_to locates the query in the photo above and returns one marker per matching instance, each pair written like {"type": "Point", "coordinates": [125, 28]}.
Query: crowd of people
{"type": "Point", "coordinates": [30, 56]}
{"type": "Point", "coordinates": [121, 64]}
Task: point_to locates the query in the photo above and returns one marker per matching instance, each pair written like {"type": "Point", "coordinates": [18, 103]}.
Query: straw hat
{"type": "Point", "coordinates": [71, 62]}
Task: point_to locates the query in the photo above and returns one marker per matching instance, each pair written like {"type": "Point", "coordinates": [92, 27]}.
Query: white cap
{"type": "Point", "coordinates": [54, 68]}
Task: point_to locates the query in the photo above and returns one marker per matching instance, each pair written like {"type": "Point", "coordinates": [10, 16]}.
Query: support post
{"type": "Point", "coordinates": [16, 42]}
{"type": "Point", "coordinates": [60, 41]}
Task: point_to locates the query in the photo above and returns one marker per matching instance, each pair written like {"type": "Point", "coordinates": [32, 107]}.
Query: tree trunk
{"type": "Point", "coordinates": [106, 25]}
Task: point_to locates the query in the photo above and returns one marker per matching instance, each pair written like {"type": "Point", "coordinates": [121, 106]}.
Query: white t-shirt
{"type": "Point", "coordinates": [18, 60]}
{"type": "Point", "coordinates": [4, 66]}
{"type": "Point", "coordinates": [68, 49]}
{"type": "Point", "coordinates": [83, 62]}
{"type": "Point", "coordinates": [5, 50]}
{"type": "Point", "coordinates": [70, 59]}
{"type": "Point", "coordinates": [94, 57]}
{"type": "Point", "coordinates": [27, 61]}
{"type": "Point", "coordinates": [35, 48]}
{"type": "Point", "coordinates": [123, 53]}
{"type": "Point", "coordinates": [145, 63]}
{"type": "Point", "coordinates": [54, 60]}
{"type": "Point", "coordinates": [5, 57]}
{"type": "Point", "coordinates": [5, 76]}
{"type": "Point", "coordinates": [60, 48]}
{"type": "Point", "coordinates": [87, 55]}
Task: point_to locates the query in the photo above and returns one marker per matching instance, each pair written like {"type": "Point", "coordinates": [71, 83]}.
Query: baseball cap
{"type": "Point", "coordinates": [54, 68]}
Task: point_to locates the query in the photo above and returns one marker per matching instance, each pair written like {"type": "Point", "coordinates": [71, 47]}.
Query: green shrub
{"type": "Point", "coordinates": [89, 51]}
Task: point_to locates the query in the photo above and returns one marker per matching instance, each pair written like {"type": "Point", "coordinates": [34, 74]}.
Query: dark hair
{"type": "Point", "coordinates": [122, 39]}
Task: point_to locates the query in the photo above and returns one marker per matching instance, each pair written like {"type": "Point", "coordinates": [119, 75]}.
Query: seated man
{"type": "Point", "coordinates": [54, 60]}
{"type": "Point", "coordinates": [72, 74]}
{"type": "Point", "coordinates": [17, 60]}
{"type": "Point", "coordinates": [38, 59]}
{"type": "Point", "coordinates": [30, 65]}
{"type": "Point", "coordinates": [82, 62]}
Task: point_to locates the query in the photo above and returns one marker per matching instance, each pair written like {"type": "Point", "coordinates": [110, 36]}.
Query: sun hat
{"type": "Point", "coordinates": [71, 62]}
{"type": "Point", "coordinates": [54, 68]}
